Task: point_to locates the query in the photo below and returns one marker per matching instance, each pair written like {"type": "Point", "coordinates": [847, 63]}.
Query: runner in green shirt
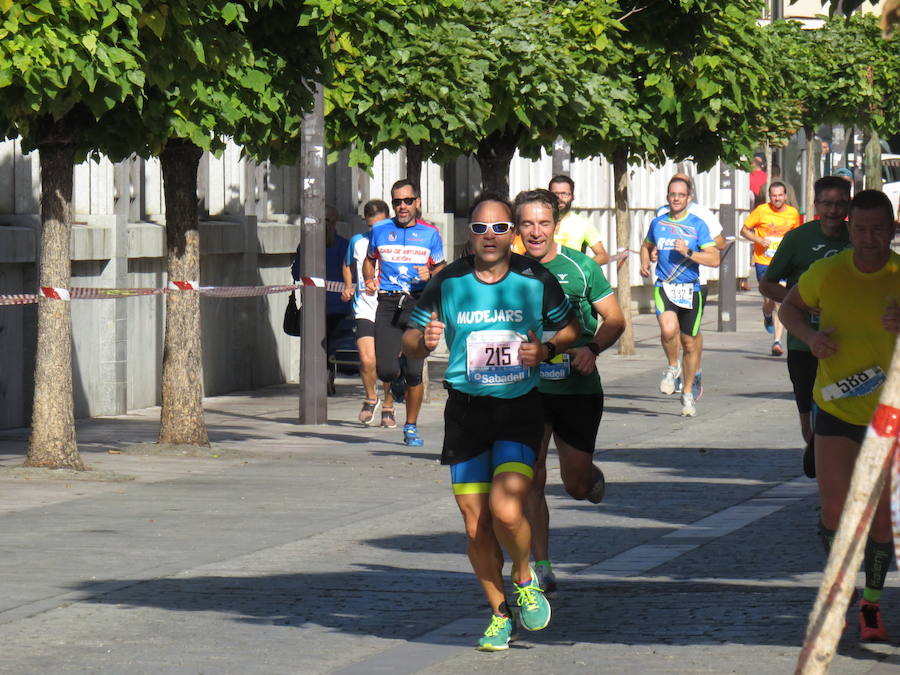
{"type": "Point", "coordinates": [570, 386]}
{"type": "Point", "coordinates": [800, 248]}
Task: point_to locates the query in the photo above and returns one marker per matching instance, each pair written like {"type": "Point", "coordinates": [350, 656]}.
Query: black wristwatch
{"type": "Point", "coordinates": [594, 347]}
{"type": "Point", "coordinates": [690, 253]}
{"type": "Point", "coordinates": [551, 351]}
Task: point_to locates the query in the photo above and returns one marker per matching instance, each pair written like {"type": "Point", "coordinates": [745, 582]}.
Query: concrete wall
{"type": "Point", "coordinates": [249, 231]}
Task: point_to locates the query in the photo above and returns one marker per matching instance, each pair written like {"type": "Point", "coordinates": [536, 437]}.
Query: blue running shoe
{"type": "Point", "coordinates": [534, 609]}
{"type": "Point", "coordinates": [498, 634]}
{"type": "Point", "coordinates": [698, 386]}
{"type": "Point", "coordinates": [768, 324]}
{"type": "Point", "coordinates": [411, 436]}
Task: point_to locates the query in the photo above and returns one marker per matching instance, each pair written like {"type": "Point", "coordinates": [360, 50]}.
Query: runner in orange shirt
{"type": "Point", "coordinates": [765, 227]}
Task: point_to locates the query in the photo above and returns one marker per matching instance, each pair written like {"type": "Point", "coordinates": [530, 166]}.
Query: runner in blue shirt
{"type": "Point", "coordinates": [408, 252]}
{"type": "Point", "coordinates": [684, 243]}
{"type": "Point", "coordinates": [493, 307]}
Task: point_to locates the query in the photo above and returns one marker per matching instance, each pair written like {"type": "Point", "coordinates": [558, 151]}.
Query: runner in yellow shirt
{"type": "Point", "coordinates": [855, 295]}
{"type": "Point", "coordinates": [575, 230]}
{"type": "Point", "coordinates": [765, 227]}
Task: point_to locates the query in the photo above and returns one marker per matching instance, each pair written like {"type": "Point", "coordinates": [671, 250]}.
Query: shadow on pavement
{"type": "Point", "coordinates": [387, 602]}
{"type": "Point", "coordinates": [786, 395]}
{"type": "Point", "coordinates": [398, 603]}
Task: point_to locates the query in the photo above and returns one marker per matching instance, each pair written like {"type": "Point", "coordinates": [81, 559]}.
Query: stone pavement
{"type": "Point", "coordinates": [336, 549]}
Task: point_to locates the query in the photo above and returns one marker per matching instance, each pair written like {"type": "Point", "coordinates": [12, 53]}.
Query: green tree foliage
{"type": "Point", "coordinates": [67, 58]}
{"type": "Point", "coordinates": [784, 103]}
{"type": "Point", "coordinates": [698, 84]}
{"type": "Point", "coordinates": [457, 77]}
{"type": "Point", "coordinates": [842, 73]}
{"type": "Point", "coordinates": [218, 69]}
{"type": "Point", "coordinates": [403, 73]}
{"type": "Point", "coordinates": [548, 77]}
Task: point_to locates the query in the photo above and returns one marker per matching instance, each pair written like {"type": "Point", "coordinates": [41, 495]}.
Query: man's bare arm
{"type": "Point", "coordinates": [772, 290]}
{"type": "Point", "coordinates": [368, 271]}
{"type": "Point", "coordinates": [601, 257]}
{"type": "Point", "coordinates": [583, 359]}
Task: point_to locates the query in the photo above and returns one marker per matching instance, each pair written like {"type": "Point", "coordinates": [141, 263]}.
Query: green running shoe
{"type": "Point", "coordinates": [498, 634]}
{"type": "Point", "coordinates": [534, 610]}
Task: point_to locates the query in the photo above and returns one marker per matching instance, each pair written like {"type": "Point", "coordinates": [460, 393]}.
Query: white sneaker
{"type": "Point", "coordinates": [670, 375]}
{"type": "Point", "coordinates": [687, 405]}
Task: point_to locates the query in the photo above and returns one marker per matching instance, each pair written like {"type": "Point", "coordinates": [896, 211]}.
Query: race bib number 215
{"type": "Point", "coordinates": [492, 357]}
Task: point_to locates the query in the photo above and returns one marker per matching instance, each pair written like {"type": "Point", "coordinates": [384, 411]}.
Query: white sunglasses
{"type": "Point", "coordinates": [498, 228]}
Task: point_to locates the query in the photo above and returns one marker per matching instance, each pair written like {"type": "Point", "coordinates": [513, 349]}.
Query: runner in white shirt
{"type": "Point", "coordinates": [364, 306]}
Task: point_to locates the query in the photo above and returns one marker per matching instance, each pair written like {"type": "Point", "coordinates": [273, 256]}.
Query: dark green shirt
{"type": "Point", "coordinates": [799, 249]}
{"type": "Point", "coordinates": [584, 283]}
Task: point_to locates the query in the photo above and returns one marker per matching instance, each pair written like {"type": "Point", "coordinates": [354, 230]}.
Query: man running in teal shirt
{"type": "Point", "coordinates": [493, 308]}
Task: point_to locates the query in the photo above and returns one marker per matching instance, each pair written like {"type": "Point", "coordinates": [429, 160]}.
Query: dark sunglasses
{"type": "Point", "coordinates": [497, 228]}
{"type": "Point", "coordinates": [409, 201]}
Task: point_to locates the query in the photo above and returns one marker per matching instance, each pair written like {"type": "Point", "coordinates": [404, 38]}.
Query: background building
{"type": "Point", "coordinates": [249, 231]}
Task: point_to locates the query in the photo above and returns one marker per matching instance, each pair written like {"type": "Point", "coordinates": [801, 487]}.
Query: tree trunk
{"type": "Point", "coordinates": [181, 419]}
{"type": "Point", "coordinates": [768, 153]}
{"type": "Point", "coordinates": [872, 163]}
{"type": "Point", "coordinates": [623, 241]}
{"type": "Point", "coordinates": [52, 442]}
{"type": "Point", "coordinates": [414, 164]}
{"type": "Point", "coordinates": [810, 177]}
{"type": "Point", "coordinates": [494, 156]}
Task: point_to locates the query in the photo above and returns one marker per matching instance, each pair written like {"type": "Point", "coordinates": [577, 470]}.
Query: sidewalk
{"type": "Point", "coordinates": [336, 549]}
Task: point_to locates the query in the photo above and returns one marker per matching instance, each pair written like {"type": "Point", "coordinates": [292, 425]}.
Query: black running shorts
{"type": "Point", "coordinates": [472, 424]}
{"type": "Point", "coordinates": [688, 319]}
{"type": "Point", "coordinates": [365, 328]}
{"type": "Point", "coordinates": [391, 316]}
{"type": "Point", "coordinates": [575, 418]}
{"type": "Point", "coordinates": [802, 367]}
{"type": "Point", "coordinates": [829, 425]}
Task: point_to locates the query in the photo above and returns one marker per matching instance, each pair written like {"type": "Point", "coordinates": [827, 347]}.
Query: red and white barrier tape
{"type": "Point", "coordinates": [20, 299]}
{"type": "Point", "coordinates": [54, 293]}
{"type": "Point", "coordinates": [173, 287]}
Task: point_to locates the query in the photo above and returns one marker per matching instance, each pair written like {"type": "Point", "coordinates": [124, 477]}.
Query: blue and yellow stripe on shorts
{"type": "Point", "coordinates": [474, 476]}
